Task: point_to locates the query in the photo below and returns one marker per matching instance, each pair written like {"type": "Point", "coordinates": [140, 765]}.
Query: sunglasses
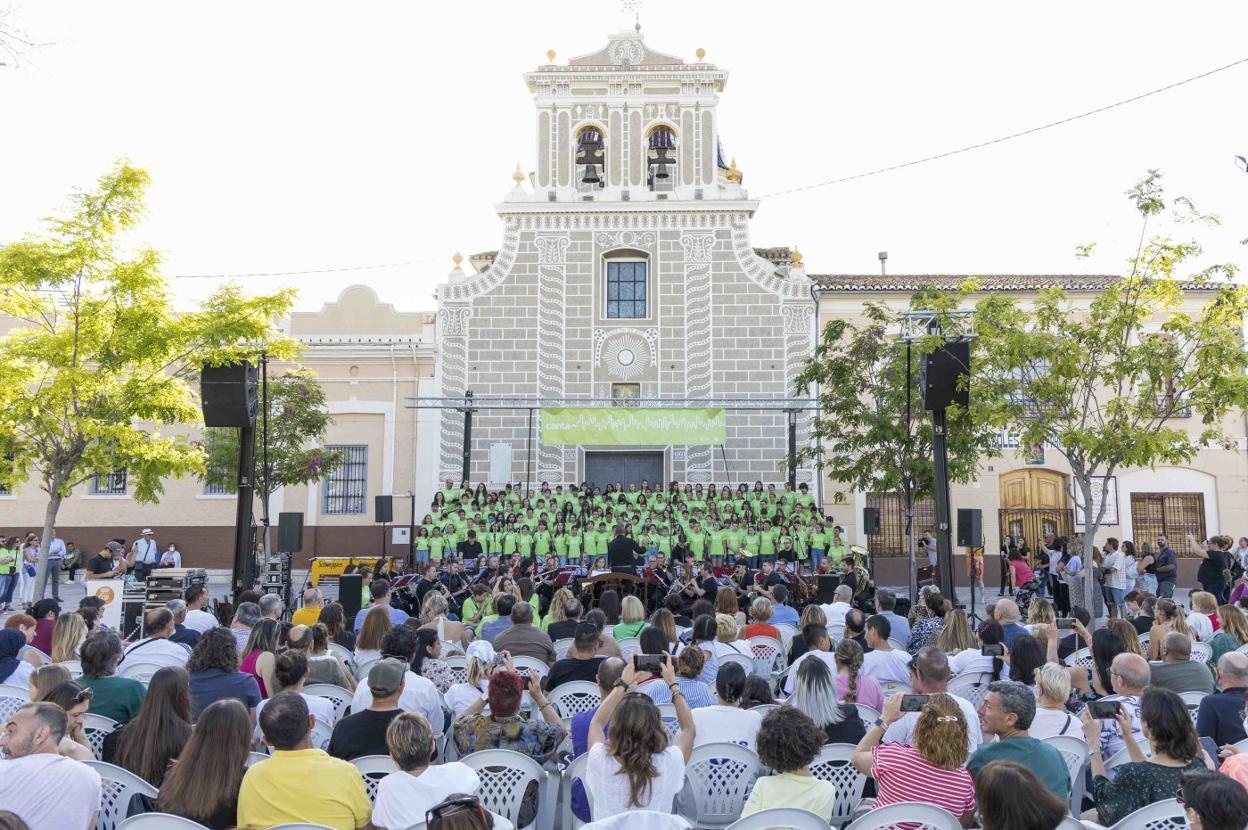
{"type": "Point", "coordinates": [462, 804]}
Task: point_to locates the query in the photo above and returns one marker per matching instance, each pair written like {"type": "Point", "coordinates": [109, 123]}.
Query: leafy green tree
{"type": "Point", "coordinates": [1102, 385]}
{"type": "Point", "coordinates": [861, 437]}
{"type": "Point", "coordinates": [298, 419]}
{"type": "Point", "coordinates": [100, 373]}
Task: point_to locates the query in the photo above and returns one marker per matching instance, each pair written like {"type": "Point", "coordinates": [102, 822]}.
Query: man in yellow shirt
{"type": "Point", "coordinates": [310, 613]}
{"type": "Point", "coordinates": [300, 783]}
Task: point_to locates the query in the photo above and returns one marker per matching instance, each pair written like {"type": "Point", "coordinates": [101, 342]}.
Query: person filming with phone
{"type": "Point", "coordinates": [1128, 674]}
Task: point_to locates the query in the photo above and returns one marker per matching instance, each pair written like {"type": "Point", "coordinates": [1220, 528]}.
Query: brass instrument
{"type": "Point", "coordinates": [861, 573]}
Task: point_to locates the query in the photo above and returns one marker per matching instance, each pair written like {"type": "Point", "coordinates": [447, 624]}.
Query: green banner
{"type": "Point", "coordinates": [619, 426]}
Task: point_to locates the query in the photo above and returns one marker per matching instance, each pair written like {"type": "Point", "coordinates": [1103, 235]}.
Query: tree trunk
{"type": "Point", "coordinates": [49, 522]}
{"type": "Point", "coordinates": [1090, 524]}
{"type": "Point", "coordinates": [913, 543]}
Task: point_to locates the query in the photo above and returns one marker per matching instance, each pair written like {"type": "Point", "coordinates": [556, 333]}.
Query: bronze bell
{"type": "Point", "coordinates": [662, 160]}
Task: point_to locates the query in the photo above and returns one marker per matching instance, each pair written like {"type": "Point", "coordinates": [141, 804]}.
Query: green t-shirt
{"type": "Point", "coordinates": [541, 542]}
{"type": "Point", "coordinates": [511, 540]}
{"type": "Point", "coordinates": [717, 542]}
{"type": "Point", "coordinates": [525, 544]}
{"type": "Point", "coordinates": [115, 697]}
{"type": "Point", "coordinates": [697, 545]}
{"type": "Point", "coordinates": [437, 544]}
{"type": "Point", "coordinates": [575, 543]}
{"type": "Point", "coordinates": [1042, 759]}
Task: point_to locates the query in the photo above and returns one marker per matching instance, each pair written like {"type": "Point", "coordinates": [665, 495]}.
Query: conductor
{"type": "Point", "coordinates": [623, 554]}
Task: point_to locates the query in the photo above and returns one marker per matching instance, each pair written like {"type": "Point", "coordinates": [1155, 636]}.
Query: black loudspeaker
{"type": "Point", "coordinates": [384, 508]}
{"type": "Point", "coordinates": [871, 521]}
{"type": "Point", "coordinates": [902, 609]}
{"type": "Point", "coordinates": [828, 584]}
{"type": "Point", "coordinates": [350, 592]}
{"type": "Point", "coordinates": [940, 373]}
{"type": "Point", "coordinates": [290, 532]}
{"type": "Point", "coordinates": [229, 395]}
{"type": "Point", "coordinates": [926, 575]}
{"type": "Point", "coordinates": [970, 528]}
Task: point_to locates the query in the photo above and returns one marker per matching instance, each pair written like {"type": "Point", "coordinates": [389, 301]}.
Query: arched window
{"type": "Point", "coordinates": [591, 160]}
{"type": "Point", "coordinates": [661, 160]}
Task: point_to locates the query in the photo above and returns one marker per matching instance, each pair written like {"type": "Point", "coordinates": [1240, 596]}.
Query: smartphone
{"type": "Point", "coordinates": [652, 663]}
{"type": "Point", "coordinates": [1104, 709]}
{"type": "Point", "coordinates": [914, 703]}
{"type": "Point", "coordinates": [1065, 623]}
{"type": "Point", "coordinates": [993, 650]}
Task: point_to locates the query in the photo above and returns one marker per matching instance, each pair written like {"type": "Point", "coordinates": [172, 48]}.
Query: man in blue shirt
{"type": "Point", "coordinates": [782, 614]}
{"type": "Point", "coordinates": [503, 604]}
{"type": "Point", "coordinates": [1008, 614]}
{"type": "Point", "coordinates": [380, 591]}
{"type": "Point", "coordinates": [898, 626]}
{"type": "Point", "coordinates": [1221, 715]}
{"type": "Point", "coordinates": [1167, 567]}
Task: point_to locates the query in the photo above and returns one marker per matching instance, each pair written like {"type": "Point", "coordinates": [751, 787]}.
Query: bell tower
{"type": "Point", "coordinates": [628, 124]}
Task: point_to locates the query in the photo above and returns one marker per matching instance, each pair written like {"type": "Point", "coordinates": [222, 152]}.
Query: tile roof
{"type": "Point", "coordinates": [853, 283]}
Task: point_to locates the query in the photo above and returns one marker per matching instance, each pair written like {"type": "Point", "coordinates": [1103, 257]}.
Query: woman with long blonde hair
{"type": "Point", "coordinates": [1232, 632]}
{"type": "Point", "coordinates": [1041, 612]}
{"type": "Point", "coordinates": [67, 636]}
{"type": "Point", "coordinates": [376, 626]}
{"type": "Point", "coordinates": [556, 612]}
{"type": "Point", "coordinates": [957, 635]}
{"type": "Point", "coordinates": [1130, 637]}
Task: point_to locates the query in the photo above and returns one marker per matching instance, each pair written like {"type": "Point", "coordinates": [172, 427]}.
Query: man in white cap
{"type": "Point", "coordinates": [144, 554]}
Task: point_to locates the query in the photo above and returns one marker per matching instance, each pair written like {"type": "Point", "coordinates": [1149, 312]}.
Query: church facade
{"type": "Point", "coordinates": [625, 277]}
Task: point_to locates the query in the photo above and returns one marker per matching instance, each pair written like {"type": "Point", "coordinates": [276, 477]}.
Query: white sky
{"type": "Point", "coordinates": [287, 136]}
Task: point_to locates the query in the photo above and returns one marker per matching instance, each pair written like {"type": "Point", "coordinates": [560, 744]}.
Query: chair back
{"type": "Point", "coordinates": [1071, 823]}
{"type": "Point", "coordinates": [459, 667]}
{"type": "Point", "coordinates": [1192, 701]}
{"type": "Point", "coordinates": [972, 687]}
{"type": "Point", "coordinates": [1082, 658]}
{"type": "Point", "coordinates": [634, 819]}
{"type": "Point", "coordinates": [341, 697]}
{"type": "Point", "coordinates": [74, 666]}
{"type": "Point", "coordinates": [505, 777]}
{"type": "Point", "coordinates": [1201, 652]}
{"type": "Point", "coordinates": [321, 733]}
{"type": "Point", "coordinates": [764, 708]}
{"type": "Point", "coordinates": [361, 669]}
{"type": "Point", "coordinates": [373, 768]}
{"type": "Point", "coordinates": [159, 821]}
{"type": "Point", "coordinates": [450, 647]}
{"type": "Point", "coordinates": [867, 714]}
{"type": "Point", "coordinates": [720, 777]}
{"type": "Point", "coordinates": [671, 723]}
{"type": "Point", "coordinates": [628, 647]}
{"type": "Point", "coordinates": [768, 655]}
{"type": "Point", "coordinates": [97, 728]}
{"type": "Point", "coordinates": [530, 665]}
{"type": "Point", "coordinates": [741, 660]}
{"type": "Point", "coordinates": [342, 651]}
{"type": "Point", "coordinates": [254, 758]}
{"type": "Point", "coordinates": [836, 633]}
{"type": "Point", "coordinates": [141, 672]}
{"type": "Point", "coordinates": [10, 703]}
{"type": "Point", "coordinates": [562, 647]}
{"type": "Point", "coordinates": [790, 817]}
{"type": "Point", "coordinates": [1160, 815]}
{"type": "Point", "coordinates": [573, 698]}
{"type": "Point", "coordinates": [835, 764]}
{"type": "Point", "coordinates": [1122, 756]}
{"type": "Point", "coordinates": [787, 633]}
{"type": "Point", "coordinates": [913, 815]}
{"type": "Point", "coordinates": [898, 644]}
{"type": "Point", "coordinates": [118, 786]}
{"type": "Point", "coordinates": [575, 772]}
{"type": "Point", "coordinates": [1074, 752]}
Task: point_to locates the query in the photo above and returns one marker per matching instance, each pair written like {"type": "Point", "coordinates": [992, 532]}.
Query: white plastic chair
{"type": "Point", "coordinates": [629, 819]}
{"type": "Point", "coordinates": [342, 651]}
{"type": "Point", "coordinates": [720, 777]}
{"type": "Point", "coordinates": [1242, 649]}
{"type": "Point", "coordinates": [372, 769]}
{"type": "Point", "coordinates": [118, 786]}
{"type": "Point", "coordinates": [459, 667]}
{"type": "Point", "coordinates": [10, 704]}
{"type": "Point", "coordinates": [1082, 658]}
{"type": "Point", "coordinates": [1192, 701]}
{"type": "Point", "coordinates": [835, 764]}
{"type": "Point", "coordinates": [1160, 815]}
{"type": "Point", "coordinates": [574, 772]}
{"type": "Point", "coordinates": [768, 655]}
{"type": "Point", "coordinates": [1071, 823]}
{"type": "Point", "coordinates": [1074, 752]}
{"type": "Point", "coordinates": [562, 647]}
{"type": "Point", "coordinates": [972, 687]}
{"type": "Point", "coordinates": [505, 776]}
{"type": "Point", "coordinates": [741, 660]}
{"type": "Point", "coordinates": [764, 708]}
{"type": "Point", "coordinates": [321, 733]}
{"type": "Point", "coordinates": [141, 672]}
{"type": "Point", "coordinates": [254, 758]}
{"type": "Point", "coordinates": [97, 728]}
{"type": "Point", "coordinates": [671, 723]}
{"type": "Point", "coordinates": [340, 696]}
{"type": "Point", "coordinates": [159, 821]}
{"type": "Point", "coordinates": [867, 714]}
{"type": "Point", "coordinates": [836, 633]}
{"type": "Point", "coordinates": [791, 817]}
{"type": "Point", "coordinates": [14, 690]}
{"type": "Point", "coordinates": [361, 669]}
{"type": "Point", "coordinates": [897, 644]}
{"type": "Point", "coordinates": [1122, 756]}
{"type": "Point", "coordinates": [628, 647]}
{"type": "Point", "coordinates": [787, 633]}
{"type": "Point", "coordinates": [450, 647]}
{"type": "Point", "coordinates": [1201, 652]}
{"type": "Point", "coordinates": [74, 667]}
{"type": "Point", "coordinates": [892, 687]}
{"type": "Point", "coordinates": [915, 815]}
{"type": "Point", "coordinates": [530, 665]}
{"type": "Point", "coordinates": [573, 698]}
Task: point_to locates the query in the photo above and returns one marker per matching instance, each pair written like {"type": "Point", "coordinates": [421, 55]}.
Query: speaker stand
{"type": "Point", "coordinates": [243, 549]}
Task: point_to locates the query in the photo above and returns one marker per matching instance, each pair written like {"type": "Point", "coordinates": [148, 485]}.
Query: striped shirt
{"type": "Point", "coordinates": [697, 694]}
{"type": "Point", "coordinates": [902, 774]}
